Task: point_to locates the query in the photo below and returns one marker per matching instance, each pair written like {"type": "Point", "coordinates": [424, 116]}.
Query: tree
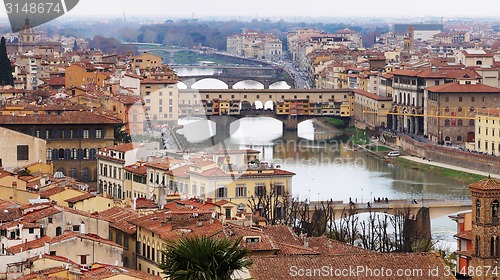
{"type": "Point", "coordinates": [192, 258]}
{"type": "Point", "coordinates": [5, 66]}
{"type": "Point", "coordinates": [75, 46]}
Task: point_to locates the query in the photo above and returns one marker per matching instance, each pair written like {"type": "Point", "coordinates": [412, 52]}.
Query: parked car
{"type": "Point", "coordinates": [393, 154]}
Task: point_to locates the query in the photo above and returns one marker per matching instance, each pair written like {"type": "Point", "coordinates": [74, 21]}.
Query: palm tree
{"type": "Point", "coordinates": [203, 258]}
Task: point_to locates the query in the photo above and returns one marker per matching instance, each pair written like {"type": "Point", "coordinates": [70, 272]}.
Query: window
{"type": "Point", "coordinates": [49, 154]}
{"type": "Point", "coordinates": [260, 190]}
{"type": "Point", "coordinates": [494, 212]}
{"type": "Point", "coordinates": [31, 230]}
{"type": "Point", "coordinates": [98, 133]}
{"type": "Point", "coordinates": [460, 99]}
{"type": "Point", "coordinates": [83, 259]}
{"type": "Point", "coordinates": [478, 211]}
{"type": "Point", "coordinates": [86, 133]}
{"type": "Point", "coordinates": [241, 191]}
{"type": "Point", "coordinates": [446, 122]}
{"type": "Point", "coordinates": [22, 152]}
{"type": "Point", "coordinates": [279, 190]}
{"type": "Point", "coordinates": [221, 192]}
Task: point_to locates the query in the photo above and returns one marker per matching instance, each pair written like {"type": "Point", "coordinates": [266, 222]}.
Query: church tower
{"type": "Point", "coordinates": [27, 35]}
{"type": "Point", "coordinates": [485, 228]}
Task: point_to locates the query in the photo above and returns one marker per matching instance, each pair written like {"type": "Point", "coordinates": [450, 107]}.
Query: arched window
{"type": "Point", "coordinates": [446, 122]}
{"type": "Point", "coordinates": [58, 231]}
{"type": "Point", "coordinates": [86, 174]}
{"type": "Point", "coordinates": [447, 139]}
{"type": "Point", "coordinates": [471, 122]}
{"type": "Point", "coordinates": [478, 211]}
{"type": "Point", "coordinates": [73, 172]}
{"type": "Point", "coordinates": [61, 154]}
{"type": "Point", "coordinates": [479, 62]}
{"type": "Point", "coordinates": [459, 109]}
{"type": "Point", "coordinates": [459, 138]}
{"type": "Point", "coordinates": [459, 122]}
{"type": "Point", "coordinates": [67, 154]}
{"type": "Point", "coordinates": [494, 212]}
{"type": "Point", "coordinates": [85, 153]}
{"type": "Point", "coordinates": [446, 109]}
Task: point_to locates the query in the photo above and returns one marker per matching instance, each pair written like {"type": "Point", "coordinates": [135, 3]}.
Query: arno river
{"type": "Point", "coordinates": [325, 169]}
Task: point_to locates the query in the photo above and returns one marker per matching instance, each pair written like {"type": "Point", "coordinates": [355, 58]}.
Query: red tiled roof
{"type": "Point", "coordinates": [42, 213]}
{"type": "Point", "coordinates": [284, 267]}
{"type": "Point", "coordinates": [140, 170]}
{"type": "Point", "coordinates": [93, 237]}
{"type": "Point", "coordinates": [144, 203]}
{"type": "Point", "coordinates": [486, 185]}
{"type": "Point", "coordinates": [467, 234]}
{"type": "Point", "coordinates": [118, 218]}
{"type": "Point", "coordinates": [125, 147]}
{"type": "Point", "coordinates": [68, 117]}
{"type": "Point", "coordinates": [52, 191]}
{"type": "Point", "coordinates": [37, 243]}
{"type": "Point", "coordinates": [107, 272]}
{"type": "Point", "coordinates": [80, 198]}
{"type": "Point", "coordinates": [286, 249]}
{"type": "Point", "coordinates": [463, 88]}
{"type": "Point", "coordinates": [180, 171]}
{"type": "Point", "coordinates": [372, 96]}
{"type": "Point", "coordinates": [282, 233]}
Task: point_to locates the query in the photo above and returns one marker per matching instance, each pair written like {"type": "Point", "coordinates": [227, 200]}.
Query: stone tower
{"type": "Point", "coordinates": [411, 37]}
{"type": "Point", "coordinates": [27, 35]}
{"type": "Point", "coordinates": [485, 228]}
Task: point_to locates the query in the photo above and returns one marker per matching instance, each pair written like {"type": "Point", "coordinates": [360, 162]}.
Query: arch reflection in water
{"type": "Point", "coordinates": [196, 130]}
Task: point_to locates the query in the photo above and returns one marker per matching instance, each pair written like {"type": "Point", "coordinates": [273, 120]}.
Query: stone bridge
{"type": "Point", "coordinates": [437, 207]}
{"type": "Point", "coordinates": [230, 81]}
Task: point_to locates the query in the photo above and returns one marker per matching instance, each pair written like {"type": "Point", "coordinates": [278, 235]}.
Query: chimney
{"type": "Point", "coordinates": [306, 242]}
{"type": "Point", "coordinates": [82, 228]}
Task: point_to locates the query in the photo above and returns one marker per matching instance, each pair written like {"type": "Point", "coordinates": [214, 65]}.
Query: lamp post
{"type": "Point", "coordinates": [361, 195]}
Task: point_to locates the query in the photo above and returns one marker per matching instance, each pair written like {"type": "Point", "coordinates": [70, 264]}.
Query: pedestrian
{"type": "Point", "coordinates": [368, 204]}
{"type": "Point", "coordinates": [386, 200]}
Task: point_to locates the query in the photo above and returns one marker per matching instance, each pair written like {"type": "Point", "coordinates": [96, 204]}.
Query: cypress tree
{"type": "Point", "coordinates": [5, 66]}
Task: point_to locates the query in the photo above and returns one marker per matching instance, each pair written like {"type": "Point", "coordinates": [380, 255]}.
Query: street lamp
{"type": "Point", "coordinates": [361, 195]}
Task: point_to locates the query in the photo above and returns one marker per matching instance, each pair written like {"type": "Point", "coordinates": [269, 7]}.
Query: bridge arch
{"type": "Point", "coordinates": [248, 84]}
{"type": "Point", "coordinates": [280, 85]}
{"type": "Point", "coordinates": [209, 83]}
{"type": "Point", "coordinates": [244, 129]}
{"type": "Point", "coordinates": [270, 105]}
{"type": "Point", "coordinates": [245, 105]}
{"type": "Point", "coordinates": [258, 105]}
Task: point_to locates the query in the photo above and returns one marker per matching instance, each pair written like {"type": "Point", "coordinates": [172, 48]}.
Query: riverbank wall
{"type": "Point", "coordinates": [485, 163]}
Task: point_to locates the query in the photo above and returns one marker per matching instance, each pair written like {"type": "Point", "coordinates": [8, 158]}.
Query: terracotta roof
{"type": "Point", "coordinates": [118, 218]}
{"type": "Point", "coordinates": [486, 185]}
{"type": "Point", "coordinates": [40, 214]}
{"type": "Point", "coordinates": [17, 223]}
{"type": "Point", "coordinates": [37, 243]}
{"type": "Point", "coordinates": [67, 117]}
{"type": "Point", "coordinates": [283, 267]}
{"type": "Point", "coordinates": [140, 170]}
{"type": "Point", "coordinates": [160, 224]}
{"type": "Point", "coordinates": [372, 96]}
{"type": "Point", "coordinates": [282, 234]}
{"type": "Point", "coordinates": [463, 88]}
{"type": "Point", "coordinates": [202, 163]}
{"type": "Point", "coordinates": [107, 272]}
{"type": "Point", "coordinates": [125, 147]}
{"type": "Point", "coordinates": [93, 237]}
{"type": "Point", "coordinates": [467, 234]}
{"type": "Point", "coordinates": [188, 203]}
{"type": "Point", "coordinates": [163, 163]}
{"type": "Point", "coordinates": [79, 198]}
{"type": "Point", "coordinates": [52, 191]}
{"type": "Point", "coordinates": [264, 244]}
{"type": "Point", "coordinates": [329, 246]}
{"type": "Point", "coordinates": [286, 249]}
{"type": "Point", "coordinates": [144, 203]}
{"type": "Point", "coordinates": [180, 171]}
{"type": "Point", "coordinates": [45, 273]}
{"type": "Point", "coordinates": [468, 74]}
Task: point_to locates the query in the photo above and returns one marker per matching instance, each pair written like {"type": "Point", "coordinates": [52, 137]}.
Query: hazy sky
{"type": "Point", "coordinates": [290, 8]}
{"type": "Point", "coordinates": [293, 7]}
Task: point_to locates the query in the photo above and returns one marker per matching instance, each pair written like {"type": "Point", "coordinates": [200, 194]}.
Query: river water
{"type": "Point", "coordinates": [326, 170]}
